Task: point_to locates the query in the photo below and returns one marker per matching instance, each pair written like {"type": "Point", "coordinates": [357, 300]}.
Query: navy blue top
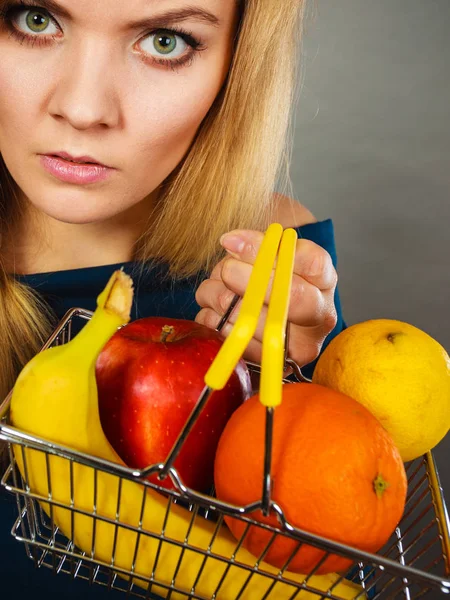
{"type": "Point", "coordinates": [155, 295]}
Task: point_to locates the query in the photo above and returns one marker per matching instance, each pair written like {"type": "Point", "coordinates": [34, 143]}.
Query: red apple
{"type": "Point", "coordinates": [150, 376]}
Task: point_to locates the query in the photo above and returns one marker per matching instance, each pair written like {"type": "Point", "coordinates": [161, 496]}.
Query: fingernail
{"type": "Point", "coordinates": [232, 242]}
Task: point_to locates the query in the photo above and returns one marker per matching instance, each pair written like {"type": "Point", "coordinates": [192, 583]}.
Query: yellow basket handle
{"type": "Point", "coordinates": [274, 336]}
{"type": "Point", "coordinates": [252, 302]}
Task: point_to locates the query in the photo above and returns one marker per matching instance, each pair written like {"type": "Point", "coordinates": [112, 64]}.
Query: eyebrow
{"type": "Point", "coordinates": [181, 14]}
{"type": "Point", "coordinates": [50, 6]}
{"type": "Point", "coordinates": [195, 13]}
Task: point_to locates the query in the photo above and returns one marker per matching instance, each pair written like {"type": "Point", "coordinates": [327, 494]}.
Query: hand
{"type": "Point", "coordinates": [312, 313]}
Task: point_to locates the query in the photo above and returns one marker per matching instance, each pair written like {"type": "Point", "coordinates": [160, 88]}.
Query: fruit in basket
{"type": "Point", "coordinates": [335, 472]}
{"type": "Point", "coordinates": [150, 376]}
{"type": "Point", "coordinates": [55, 397]}
{"type": "Point", "coordinates": [397, 371]}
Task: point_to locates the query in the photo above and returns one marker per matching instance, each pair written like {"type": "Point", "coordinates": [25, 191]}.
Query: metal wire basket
{"type": "Point", "coordinates": [413, 564]}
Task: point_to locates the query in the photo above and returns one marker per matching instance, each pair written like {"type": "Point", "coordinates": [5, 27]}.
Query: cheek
{"type": "Point", "coordinates": [166, 124]}
{"type": "Point", "coordinates": [19, 100]}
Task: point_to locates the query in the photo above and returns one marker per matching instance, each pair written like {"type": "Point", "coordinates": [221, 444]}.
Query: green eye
{"type": "Point", "coordinates": [165, 43]}
{"type": "Point", "coordinates": [37, 21]}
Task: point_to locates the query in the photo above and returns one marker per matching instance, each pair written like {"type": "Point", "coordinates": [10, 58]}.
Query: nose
{"type": "Point", "coordinates": [85, 94]}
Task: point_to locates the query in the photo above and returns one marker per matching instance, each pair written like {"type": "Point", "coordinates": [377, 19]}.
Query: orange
{"type": "Point", "coordinates": [335, 473]}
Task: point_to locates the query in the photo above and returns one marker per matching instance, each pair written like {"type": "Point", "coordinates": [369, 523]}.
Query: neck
{"type": "Point", "coordinates": [42, 244]}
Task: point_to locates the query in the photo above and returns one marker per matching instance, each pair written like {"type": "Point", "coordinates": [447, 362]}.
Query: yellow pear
{"type": "Point", "coordinates": [398, 372]}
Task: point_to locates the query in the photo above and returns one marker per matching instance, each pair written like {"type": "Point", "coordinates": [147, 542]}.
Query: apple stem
{"type": "Point", "coordinates": [165, 332]}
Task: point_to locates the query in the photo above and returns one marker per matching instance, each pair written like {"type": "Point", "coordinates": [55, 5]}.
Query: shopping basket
{"type": "Point", "coordinates": [414, 563]}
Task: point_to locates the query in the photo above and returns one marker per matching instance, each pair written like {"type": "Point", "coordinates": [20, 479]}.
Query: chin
{"type": "Point", "coordinates": [72, 215]}
{"type": "Point", "coordinates": [76, 207]}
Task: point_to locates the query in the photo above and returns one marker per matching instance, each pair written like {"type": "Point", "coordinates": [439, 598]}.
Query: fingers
{"type": "Point", "coordinates": [312, 262]}
{"type": "Point", "coordinates": [213, 294]}
{"type": "Point", "coordinates": [308, 305]}
{"type": "Point", "coordinates": [304, 342]}
{"type": "Point", "coordinates": [244, 244]}
{"type": "Point", "coordinates": [311, 315]}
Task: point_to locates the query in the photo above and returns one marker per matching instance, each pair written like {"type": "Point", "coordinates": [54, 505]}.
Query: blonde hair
{"type": "Point", "coordinates": [225, 182]}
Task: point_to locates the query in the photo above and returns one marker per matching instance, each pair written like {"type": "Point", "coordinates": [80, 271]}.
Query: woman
{"type": "Point", "coordinates": [141, 136]}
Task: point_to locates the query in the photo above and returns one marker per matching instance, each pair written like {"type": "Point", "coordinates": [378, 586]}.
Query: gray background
{"type": "Point", "coordinates": [372, 151]}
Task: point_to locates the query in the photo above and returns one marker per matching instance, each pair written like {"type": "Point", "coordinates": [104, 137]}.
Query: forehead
{"type": "Point", "coordinates": [126, 10]}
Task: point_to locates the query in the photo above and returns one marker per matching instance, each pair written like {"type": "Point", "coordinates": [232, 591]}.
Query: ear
{"type": "Point", "coordinates": [290, 213]}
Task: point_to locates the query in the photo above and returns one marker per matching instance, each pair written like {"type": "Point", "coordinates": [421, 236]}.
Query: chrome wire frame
{"type": "Point", "coordinates": [415, 563]}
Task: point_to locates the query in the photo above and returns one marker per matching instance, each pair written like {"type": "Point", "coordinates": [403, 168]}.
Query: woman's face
{"type": "Point", "coordinates": [125, 84]}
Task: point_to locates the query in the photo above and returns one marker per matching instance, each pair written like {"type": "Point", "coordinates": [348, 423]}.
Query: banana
{"type": "Point", "coordinates": [55, 397]}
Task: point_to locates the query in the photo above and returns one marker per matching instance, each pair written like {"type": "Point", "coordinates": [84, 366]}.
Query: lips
{"type": "Point", "coordinates": [78, 170]}
{"type": "Point", "coordinates": [82, 160]}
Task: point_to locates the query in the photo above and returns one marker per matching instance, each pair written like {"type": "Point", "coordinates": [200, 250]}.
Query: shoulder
{"type": "Point", "coordinates": [289, 212]}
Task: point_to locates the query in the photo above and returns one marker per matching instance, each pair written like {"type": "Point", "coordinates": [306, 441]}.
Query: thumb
{"type": "Point", "coordinates": [243, 244]}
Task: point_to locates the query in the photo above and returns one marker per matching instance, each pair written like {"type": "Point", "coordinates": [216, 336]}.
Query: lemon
{"type": "Point", "coordinates": [399, 373]}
